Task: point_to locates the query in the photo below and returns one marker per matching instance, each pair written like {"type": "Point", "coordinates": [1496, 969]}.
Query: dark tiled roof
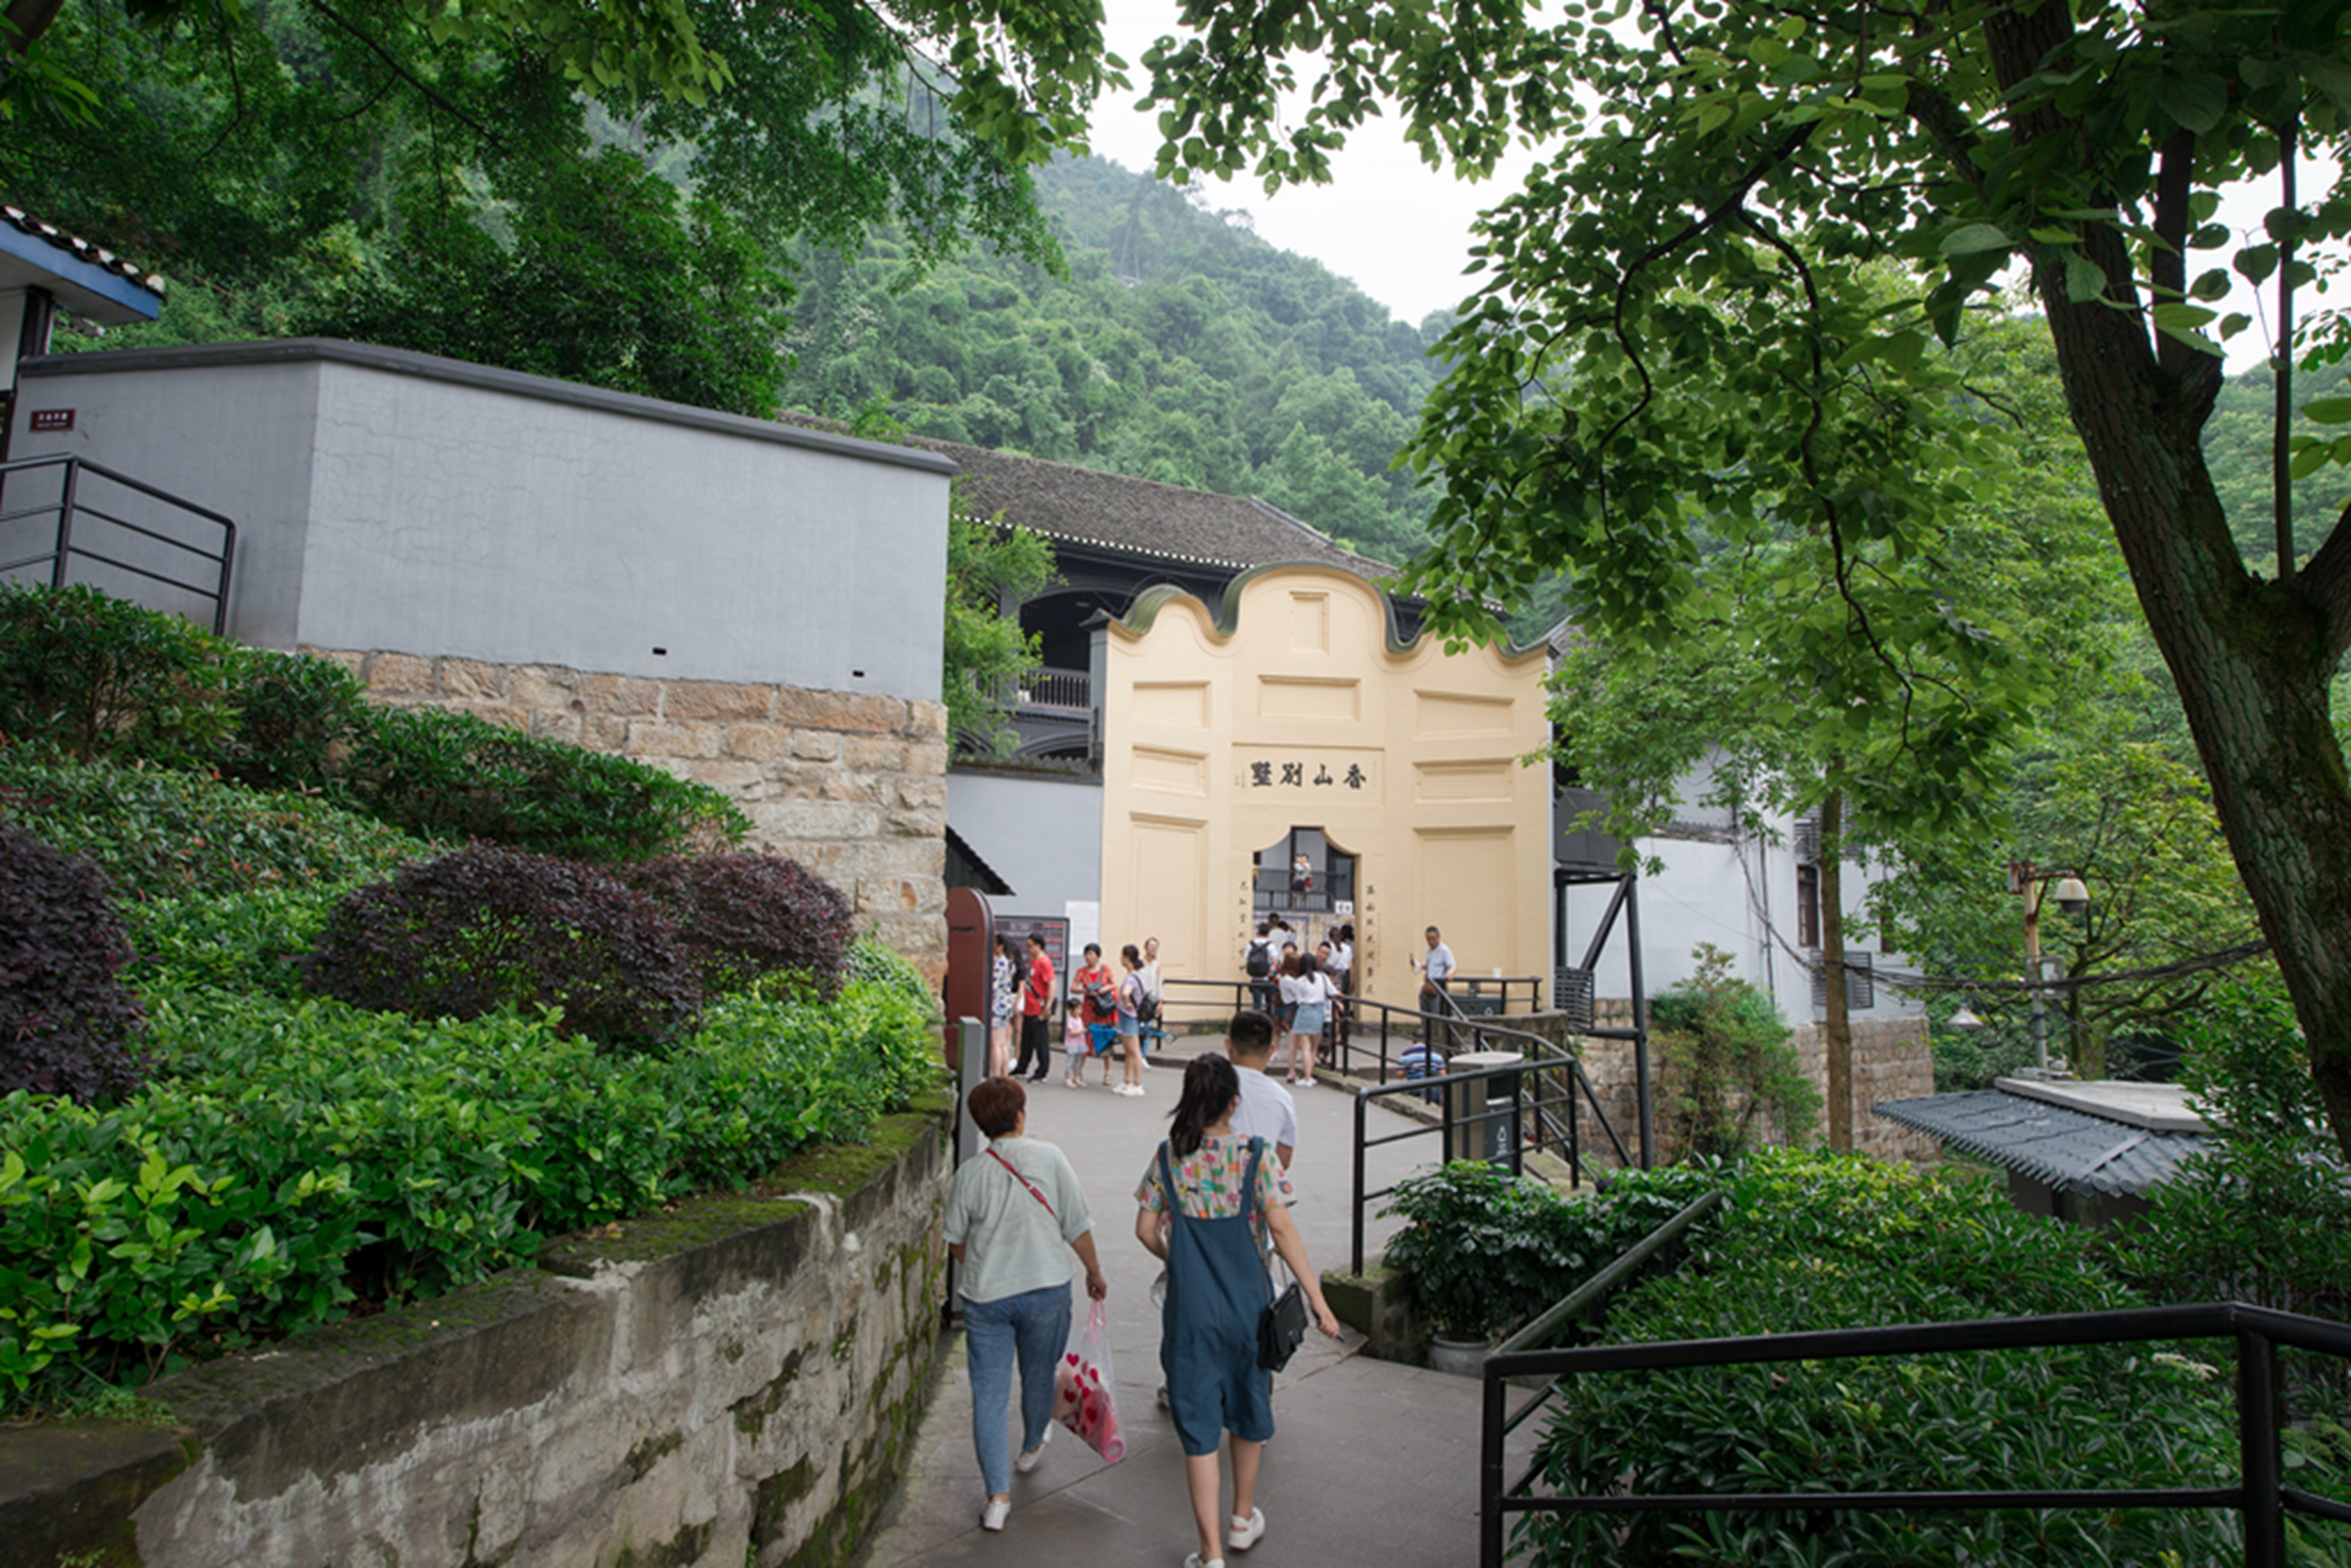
{"type": "Point", "coordinates": [2064, 1149]}
{"type": "Point", "coordinates": [81, 250]}
{"type": "Point", "coordinates": [1084, 505]}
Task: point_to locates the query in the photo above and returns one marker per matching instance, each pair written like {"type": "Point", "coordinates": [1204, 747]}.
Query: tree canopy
{"type": "Point", "coordinates": [479, 178]}
{"type": "Point", "coordinates": [1673, 326]}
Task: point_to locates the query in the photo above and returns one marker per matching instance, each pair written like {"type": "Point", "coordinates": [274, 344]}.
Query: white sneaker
{"type": "Point", "coordinates": [992, 1516]}
{"type": "Point", "coordinates": [1030, 1459]}
{"type": "Point", "coordinates": [1193, 1561]}
{"type": "Point", "coordinates": [1243, 1534]}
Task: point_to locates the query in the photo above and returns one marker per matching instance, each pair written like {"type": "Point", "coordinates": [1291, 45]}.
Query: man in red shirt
{"type": "Point", "coordinates": [1036, 994]}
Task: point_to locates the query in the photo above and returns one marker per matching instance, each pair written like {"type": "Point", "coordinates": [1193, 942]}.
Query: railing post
{"type": "Point", "coordinates": [1489, 1475]}
{"type": "Point", "coordinates": [228, 550]}
{"type": "Point", "coordinates": [2257, 1446]}
{"type": "Point", "coordinates": [1355, 1242]}
{"type": "Point", "coordinates": [64, 523]}
{"type": "Point", "coordinates": [1445, 1099]}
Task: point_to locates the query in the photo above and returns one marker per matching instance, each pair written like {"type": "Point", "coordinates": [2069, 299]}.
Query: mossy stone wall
{"type": "Point", "coordinates": [733, 1382]}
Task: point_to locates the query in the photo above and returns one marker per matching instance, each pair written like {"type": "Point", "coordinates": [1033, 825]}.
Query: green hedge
{"type": "Point", "coordinates": [99, 679]}
{"type": "Point", "coordinates": [1814, 1241]}
{"type": "Point", "coordinates": [165, 834]}
{"type": "Point", "coordinates": [295, 1158]}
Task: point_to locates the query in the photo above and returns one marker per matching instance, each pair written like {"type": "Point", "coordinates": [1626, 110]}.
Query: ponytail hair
{"type": "Point", "coordinates": [1210, 1087]}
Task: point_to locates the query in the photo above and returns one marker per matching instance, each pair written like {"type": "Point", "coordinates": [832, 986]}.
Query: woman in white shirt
{"type": "Point", "coordinates": [1311, 992]}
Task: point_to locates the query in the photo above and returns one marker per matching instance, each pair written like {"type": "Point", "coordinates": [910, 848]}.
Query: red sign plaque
{"type": "Point", "coordinates": [52, 420]}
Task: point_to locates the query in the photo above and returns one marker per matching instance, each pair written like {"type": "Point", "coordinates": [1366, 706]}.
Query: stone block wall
{"type": "Point", "coordinates": [851, 785]}
{"type": "Point", "coordinates": [735, 1384]}
{"type": "Point", "coordinates": [1890, 1061]}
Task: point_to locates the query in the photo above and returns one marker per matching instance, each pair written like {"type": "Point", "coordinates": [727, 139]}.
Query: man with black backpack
{"type": "Point", "coordinates": [1257, 962]}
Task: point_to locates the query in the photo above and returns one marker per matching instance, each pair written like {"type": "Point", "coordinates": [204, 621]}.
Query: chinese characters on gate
{"type": "Point", "coordinates": [1294, 775]}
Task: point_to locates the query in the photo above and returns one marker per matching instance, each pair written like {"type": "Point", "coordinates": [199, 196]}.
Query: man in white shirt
{"type": "Point", "coordinates": [1266, 1110]}
{"type": "Point", "coordinates": [1436, 979]}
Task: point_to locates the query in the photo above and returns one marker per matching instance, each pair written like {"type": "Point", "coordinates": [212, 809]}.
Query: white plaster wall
{"type": "Point", "coordinates": [398, 502]}
{"type": "Point", "coordinates": [1731, 895]}
{"type": "Point", "coordinates": [1040, 833]}
{"type": "Point", "coordinates": [237, 441]}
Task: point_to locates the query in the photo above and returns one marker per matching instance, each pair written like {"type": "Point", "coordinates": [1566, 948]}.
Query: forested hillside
{"type": "Point", "coordinates": [1181, 347]}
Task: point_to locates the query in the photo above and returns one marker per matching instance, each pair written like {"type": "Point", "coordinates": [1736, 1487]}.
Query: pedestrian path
{"type": "Point", "coordinates": [1372, 1462]}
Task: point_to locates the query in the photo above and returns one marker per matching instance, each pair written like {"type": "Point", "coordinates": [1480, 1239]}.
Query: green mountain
{"type": "Point", "coordinates": [1179, 346]}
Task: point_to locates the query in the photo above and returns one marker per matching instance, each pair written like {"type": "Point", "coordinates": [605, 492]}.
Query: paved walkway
{"type": "Point", "coordinates": [1372, 1462]}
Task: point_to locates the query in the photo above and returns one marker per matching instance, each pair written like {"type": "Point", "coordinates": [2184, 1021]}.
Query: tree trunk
{"type": "Point", "coordinates": [1836, 1026]}
{"type": "Point", "coordinates": [31, 19]}
{"type": "Point", "coordinates": [2251, 657]}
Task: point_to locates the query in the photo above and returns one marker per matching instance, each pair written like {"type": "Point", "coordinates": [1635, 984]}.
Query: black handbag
{"type": "Point", "coordinates": [1282, 1328]}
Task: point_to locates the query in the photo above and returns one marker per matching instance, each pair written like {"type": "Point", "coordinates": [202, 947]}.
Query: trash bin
{"type": "Point", "coordinates": [1493, 1140]}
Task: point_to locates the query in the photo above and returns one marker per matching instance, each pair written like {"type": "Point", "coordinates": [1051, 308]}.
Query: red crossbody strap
{"type": "Point", "coordinates": [1022, 1181]}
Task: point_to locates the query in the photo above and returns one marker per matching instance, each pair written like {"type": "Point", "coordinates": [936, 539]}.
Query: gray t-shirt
{"type": "Point", "coordinates": [1440, 963]}
{"type": "Point", "coordinates": [1011, 1245]}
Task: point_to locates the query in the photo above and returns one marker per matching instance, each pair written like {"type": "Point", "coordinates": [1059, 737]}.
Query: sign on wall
{"type": "Point", "coordinates": [1344, 774]}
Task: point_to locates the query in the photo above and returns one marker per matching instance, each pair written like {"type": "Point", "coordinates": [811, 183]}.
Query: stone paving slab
{"type": "Point", "coordinates": [1370, 1461]}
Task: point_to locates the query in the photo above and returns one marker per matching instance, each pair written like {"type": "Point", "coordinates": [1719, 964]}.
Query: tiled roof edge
{"type": "Point", "coordinates": [81, 250]}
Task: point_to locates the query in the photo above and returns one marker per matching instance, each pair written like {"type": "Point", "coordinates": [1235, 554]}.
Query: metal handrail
{"type": "Point", "coordinates": [71, 508]}
{"type": "Point", "coordinates": [1544, 1328]}
{"type": "Point", "coordinates": [2259, 1496]}
{"type": "Point", "coordinates": [1554, 1118]}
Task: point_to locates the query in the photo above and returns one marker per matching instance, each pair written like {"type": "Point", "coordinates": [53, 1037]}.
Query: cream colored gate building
{"type": "Point", "coordinates": [1303, 711]}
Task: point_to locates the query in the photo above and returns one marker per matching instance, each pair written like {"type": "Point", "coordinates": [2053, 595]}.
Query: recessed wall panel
{"type": "Point", "coordinates": [1289, 697]}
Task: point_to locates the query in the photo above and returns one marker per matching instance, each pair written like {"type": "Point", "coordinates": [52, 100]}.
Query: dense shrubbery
{"type": "Point", "coordinates": [741, 915]}
{"type": "Point", "coordinates": [96, 677]}
{"type": "Point", "coordinates": [302, 1156]}
{"type": "Point", "coordinates": [872, 963]}
{"type": "Point", "coordinates": [67, 1022]}
{"type": "Point", "coordinates": [453, 775]}
{"type": "Point", "coordinates": [100, 680]}
{"type": "Point", "coordinates": [164, 835]}
{"type": "Point", "coordinates": [1727, 1074]}
{"type": "Point", "coordinates": [1483, 1251]}
{"type": "Point", "coordinates": [1819, 1242]}
{"type": "Point", "coordinates": [292, 712]}
{"type": "Point", "coordinates": [2263, 1215]}
{"type": "Point", "coordinates": [488, 929]}
{"type": "Point", "coordinates": [291, 1158]}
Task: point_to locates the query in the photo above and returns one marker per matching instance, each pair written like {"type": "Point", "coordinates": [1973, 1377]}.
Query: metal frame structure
{"type": "Point", "coordinates": [1568, 989]}
{"type": "Point", "coordinates": [71, 508]}
{"type": "Point", "coordinates": [2261, 1494]}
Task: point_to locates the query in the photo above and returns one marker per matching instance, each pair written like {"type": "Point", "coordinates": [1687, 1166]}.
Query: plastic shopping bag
{"type": "Point", "coordinates": [1082, 1395]}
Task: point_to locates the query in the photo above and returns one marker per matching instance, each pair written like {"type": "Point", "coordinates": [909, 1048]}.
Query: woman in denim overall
{"type": "Point", "coordinates": [1202, 1201]}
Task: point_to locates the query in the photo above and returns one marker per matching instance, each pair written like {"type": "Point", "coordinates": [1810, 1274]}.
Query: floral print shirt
{"type": "Point", "coordinates": [1208, 1183]}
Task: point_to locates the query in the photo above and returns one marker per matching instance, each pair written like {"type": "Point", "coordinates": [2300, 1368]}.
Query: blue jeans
{"type": "Point", "coordinates": [1034, 1328]}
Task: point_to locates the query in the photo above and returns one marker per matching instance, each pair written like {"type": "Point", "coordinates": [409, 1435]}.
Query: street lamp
{"type": "Point", "coordinates": [2072, 899]}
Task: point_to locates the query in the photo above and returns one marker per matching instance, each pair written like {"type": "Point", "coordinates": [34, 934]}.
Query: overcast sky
{"type": "Point", "coordinates": [1396, 228]}
{"type": "Point", "coordinates": [1399, 230]}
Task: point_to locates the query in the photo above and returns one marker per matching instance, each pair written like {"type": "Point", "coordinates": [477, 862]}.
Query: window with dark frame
{"type": "Point", "coordinates": [1807, 906]}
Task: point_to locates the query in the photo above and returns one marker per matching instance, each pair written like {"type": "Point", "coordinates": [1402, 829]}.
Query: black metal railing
{"type": "Point", "coordinates": [1533, 1104]}
{"type": "Point", "coordinates": [2260, 1495]}
{"type": "Point", "coordinates": [1497, 993]}
{"type": "Point", "coordinates": [89, 532]}
{"type": "Point", "coordinates": [1542, 1100]}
